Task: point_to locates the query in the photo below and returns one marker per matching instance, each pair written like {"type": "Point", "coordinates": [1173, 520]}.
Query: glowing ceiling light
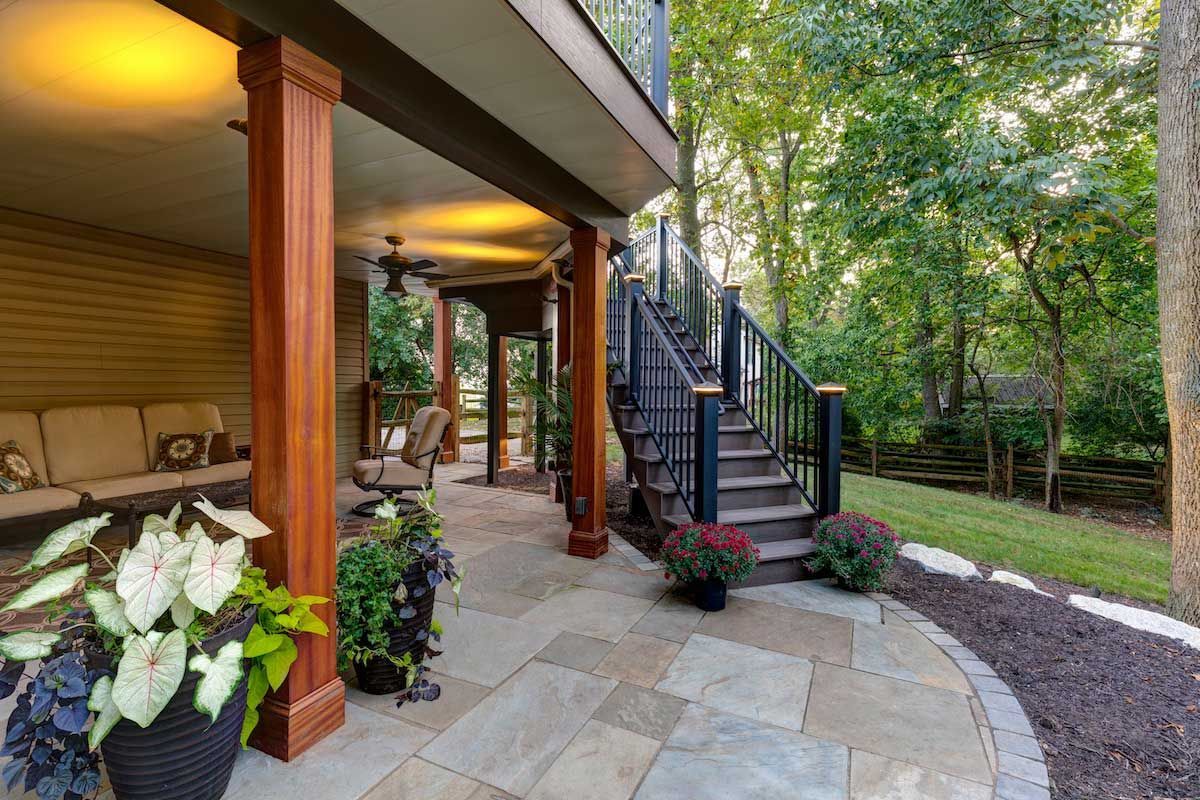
{"type": "Point", "coordinates": [475, 251]}
{"type": "Point", "coordinates": [479, 217]}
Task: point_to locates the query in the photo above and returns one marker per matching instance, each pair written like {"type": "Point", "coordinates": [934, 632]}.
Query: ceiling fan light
{"type": "Point", "coordinates": [395, 286]}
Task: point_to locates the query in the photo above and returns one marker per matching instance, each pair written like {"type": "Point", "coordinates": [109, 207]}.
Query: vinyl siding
{"type": "Point", "coordinates": [93, 316]}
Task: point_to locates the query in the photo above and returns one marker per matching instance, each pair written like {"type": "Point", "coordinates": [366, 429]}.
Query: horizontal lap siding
{"type": "Point", "coordinates": [94, 316]}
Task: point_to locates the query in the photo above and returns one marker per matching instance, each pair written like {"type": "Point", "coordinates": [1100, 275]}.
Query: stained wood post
{"type": "Point", "coordinates": [874, 458]}
{"type": "Point", "coordinates": [829, 454]}
{"type": "Point", "coordinates": [1010, 472]}
{"type": "Point", "coordinates": [290, 97]}
{"type": "Point", "coordinates": [589, 536]}
{"type": "Point", "coordinates": [372, 412]}
{"type": "Point", "coordinates": [443, 370]}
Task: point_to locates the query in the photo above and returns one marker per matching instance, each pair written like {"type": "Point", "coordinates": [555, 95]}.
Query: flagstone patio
{"type": "Point", "coordinates": [564, 678]}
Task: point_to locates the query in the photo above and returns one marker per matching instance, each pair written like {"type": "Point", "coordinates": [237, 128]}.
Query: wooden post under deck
{"type": "Point", "coordinates": [589, 536]}
{"type": "Point", "coordinates": [443, 370]}
{"type": "Point", "coordinates": [291, 94]}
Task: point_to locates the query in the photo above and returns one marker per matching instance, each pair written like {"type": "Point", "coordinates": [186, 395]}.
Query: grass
{"type": "Point", "coordinates": [1021, 539]}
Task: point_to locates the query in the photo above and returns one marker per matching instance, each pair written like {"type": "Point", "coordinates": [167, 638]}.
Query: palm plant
{"type": "Point", "coordinates": [555, 415]}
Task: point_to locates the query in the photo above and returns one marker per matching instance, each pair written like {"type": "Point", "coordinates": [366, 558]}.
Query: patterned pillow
{"type": "Point", "coordinates": [177, 451]}
{"type": "Point", "coordinates": [16, 473]}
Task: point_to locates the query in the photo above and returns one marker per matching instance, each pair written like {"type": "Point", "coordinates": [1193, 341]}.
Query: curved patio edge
{"type": "Point", "coordinates": [1019, 765]}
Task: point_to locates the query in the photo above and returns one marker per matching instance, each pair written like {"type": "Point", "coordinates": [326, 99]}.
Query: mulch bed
{"type": "Point", "coordinates": [1115, 710]}
{"type": "Point", "coordinates": [522, 478]}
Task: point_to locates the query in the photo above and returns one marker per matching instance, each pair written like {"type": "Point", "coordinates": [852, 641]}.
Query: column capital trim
{"type": "Point", "coordinates": [282, 59]}
{"type": "Point", "coordinates": [591, 237]}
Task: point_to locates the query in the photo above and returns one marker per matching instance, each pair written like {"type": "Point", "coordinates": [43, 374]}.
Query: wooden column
{"type": "Point", "coordinates": [562, 357]}
{"type": "Point", "coordinates": [443, 370]}
{"type": "Point", "coordinates": [291, 94]}
{"type": "Point", "coordinates": [589, 537]}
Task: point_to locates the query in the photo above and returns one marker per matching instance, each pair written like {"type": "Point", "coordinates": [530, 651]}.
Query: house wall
{"type": "Point", "coordinates": [92, 316]}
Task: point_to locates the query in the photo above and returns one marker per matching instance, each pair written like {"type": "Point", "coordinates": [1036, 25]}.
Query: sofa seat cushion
{"type": "Point", "coordinates": [395, 472]}
{"type": "Point", "coordinates": [217, 473]}
{"type": "Point", "coordinates": [121, 485]}
{"type": "Point", "coordinates": [37, 501]}
{"type": "Point", "coordinates": [87, 443]}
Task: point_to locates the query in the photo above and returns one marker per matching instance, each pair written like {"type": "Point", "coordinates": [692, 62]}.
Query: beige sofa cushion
{"type": "Point", "coordinates": [190, 417]}
{"type": "Point", "coordinates": [424, 434]}
{"type": "Point", "coordinates": [122, 485]}
{"type": "Point", "coordinates": [395, 472]}
{"type": "Point", "coordinates": [24, 428]}
{"type": "Point", "coordinates": [37, 501]}
{"type": "Point", "coordinates": [230, 471]}
{"type": "Point", "coordinates": [85, 443]}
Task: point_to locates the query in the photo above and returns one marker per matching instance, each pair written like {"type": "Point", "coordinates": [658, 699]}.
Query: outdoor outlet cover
{"type": "Point", "coordinates": [580, 506]}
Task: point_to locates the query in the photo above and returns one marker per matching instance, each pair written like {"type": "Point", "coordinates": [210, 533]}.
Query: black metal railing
{"type": "Point", "coordinates": [692, 293]}
{"type": "Point", "coordinates": [637, 31]}
{"type": "Point", "coordinates": [616, 318]}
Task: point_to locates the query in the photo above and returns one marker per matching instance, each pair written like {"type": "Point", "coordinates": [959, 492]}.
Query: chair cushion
{"type": "Point", "coordinates": [23, 428]}
{"type": "Point", "coordinates": [179, 451]}
{"type": "Point", "coordinates": [217, 473]}
{"type": "Point", "coordinates": [223, 449]}
{"type": "Point", "coordinates": [37, 501]}
{"type": "Point", "coordinates": [122, 485]}
{"type": "Point", "coordinates": [16, 473]}
{"type": "Point", "coordinates": [424, 435]}
{"type": "Point", "coordinates": [395, 473]}
{"type": "Point", "coordinates": [86, 443]}
{"type": "Point", "coordinates": [191, 416]}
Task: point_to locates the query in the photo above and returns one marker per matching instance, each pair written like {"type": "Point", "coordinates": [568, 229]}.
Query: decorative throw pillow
{"type": "Point", "coordinates": [16, 473]}
{"type": "Point", "coordinates": [178, 451]}
{"type": "Point", "coordinates": [223, 449]}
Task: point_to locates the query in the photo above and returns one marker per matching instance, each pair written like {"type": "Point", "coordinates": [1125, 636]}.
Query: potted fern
{"type": "Point", "coordinates": [555, 417]}
{"type": "Point", "coordinates": [152, 671]}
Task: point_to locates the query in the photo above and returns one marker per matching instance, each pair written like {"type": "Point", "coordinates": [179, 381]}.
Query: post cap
{"type": "Point", "coordinates": [733, 286]}
{"type": "Point", "coordinates": [664, 216]}
{"type": "Point", "coordinates": [831, 388]}
{"type": "Point", "coordinates": [708, 390]}
{"type": "Point", "coordinates": [634, 278]}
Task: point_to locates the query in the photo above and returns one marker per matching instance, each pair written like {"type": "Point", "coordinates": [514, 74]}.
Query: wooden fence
{"type": "Point", "coordinates": [1014, 469]}
{"type": "Point", "coordinates": [387, 414]}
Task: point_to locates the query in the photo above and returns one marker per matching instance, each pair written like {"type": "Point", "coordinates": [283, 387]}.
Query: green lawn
{"type": "Point", "coordinates": [1021, 539]}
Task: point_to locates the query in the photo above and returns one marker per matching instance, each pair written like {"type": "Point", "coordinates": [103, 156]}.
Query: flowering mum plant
{"type": "Point", "coordinates": [856, 548]}
{"type": "Point", "coordinates": [699, 551]}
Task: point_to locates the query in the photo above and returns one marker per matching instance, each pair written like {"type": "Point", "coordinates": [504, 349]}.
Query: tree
{"type": "Point", "coordinates": [1178, 245]}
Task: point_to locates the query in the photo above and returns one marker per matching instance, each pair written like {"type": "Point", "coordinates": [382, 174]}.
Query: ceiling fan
{"type": "Point", "coordinates": [396, 266]}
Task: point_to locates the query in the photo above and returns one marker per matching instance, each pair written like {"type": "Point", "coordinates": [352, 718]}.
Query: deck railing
{"type": "Point", "coordinates": [637, 30]}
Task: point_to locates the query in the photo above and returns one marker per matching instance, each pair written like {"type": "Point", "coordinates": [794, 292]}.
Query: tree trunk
{"type": "Point", "coordinates": [929, 387]}
{"type": "Point", "coordinates": [958, 357]}
{"type": "Point", "coordinates": [1178, 244]}
{"type": "Point", "coordinates": [1057, 416]}
{"type": "Point", "coordinates": [689, 213]}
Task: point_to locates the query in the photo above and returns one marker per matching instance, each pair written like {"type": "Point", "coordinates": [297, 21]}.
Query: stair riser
{"type": "Point", "coordinates": [634, 419]}
{"type": "Point", "coordinates": [783, 571]}
{"type": "Point", "coordinates": [779, 530]}
{"type": "Point", "coordinates": [730, 499]}
{"type": "Point", "coordinates": [657, 472]}
{"type": "Point", "coordinates": [726, 440]}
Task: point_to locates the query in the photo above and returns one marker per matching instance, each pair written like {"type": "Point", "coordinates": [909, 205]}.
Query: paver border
{"type": "Point", "coordinates": [1020, 772]}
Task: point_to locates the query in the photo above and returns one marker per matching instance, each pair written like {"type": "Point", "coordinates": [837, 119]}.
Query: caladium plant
{"type": "Point", "coordinates": [167, 594]}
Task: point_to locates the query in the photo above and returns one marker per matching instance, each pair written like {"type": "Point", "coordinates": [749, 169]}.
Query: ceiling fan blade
{"type": "Point", "coordinates": [432, 276]}
{"type": "Point", "coordinates": [423, 263]}
{"type": "Point", "coordinates": [370, 261]}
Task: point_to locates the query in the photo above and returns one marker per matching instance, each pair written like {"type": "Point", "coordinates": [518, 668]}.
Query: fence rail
{"type": "Point", "coordinates": [1013, 469]}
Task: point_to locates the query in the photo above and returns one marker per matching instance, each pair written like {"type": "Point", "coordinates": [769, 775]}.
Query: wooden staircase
{"type": "Point", "coordinates": [760, 468]}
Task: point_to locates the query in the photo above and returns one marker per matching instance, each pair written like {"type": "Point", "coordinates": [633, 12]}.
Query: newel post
{"type": "Point", "coordinates": [634, 291]}
{"type": "Point", "coordinates": [708, 401]}
{"type": "Point", "coordinates": [661, 262]}
{"type": "Point", "coordinates": [829, 453]}
{"type": "Point", "coordinates": [731, 339]}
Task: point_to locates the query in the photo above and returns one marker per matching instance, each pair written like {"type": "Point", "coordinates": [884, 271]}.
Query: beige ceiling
{"type": "Point", "coordinates": [113, 112]}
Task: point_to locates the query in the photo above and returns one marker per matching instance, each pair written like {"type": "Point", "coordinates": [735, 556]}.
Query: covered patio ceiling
{"type": "Point", "coordinates": [116, 115]}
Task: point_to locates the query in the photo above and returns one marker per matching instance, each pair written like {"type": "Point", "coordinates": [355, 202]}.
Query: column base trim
{"type": "Point", "coordinates": [288, 729]}
{"type": "Point", "coordinates": [588, 544]}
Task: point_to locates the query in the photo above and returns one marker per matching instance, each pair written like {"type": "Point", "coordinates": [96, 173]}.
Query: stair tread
{"type": "Point", "coordinates": [744, 482]}
{"type": "Point", "coordinates": [723, 454]}
{"type": "Point", "coordinates": [744, 516]}
{"type": "Point", "coordinates": [746, 428]}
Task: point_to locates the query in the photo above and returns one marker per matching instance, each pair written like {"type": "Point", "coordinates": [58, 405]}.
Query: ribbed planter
{"type": "Point", "coordinates": [380, 676]}
{"type": "Point", "coordinates": [709, 594]}
{"type": "Point", "coordinates": [182, 755]}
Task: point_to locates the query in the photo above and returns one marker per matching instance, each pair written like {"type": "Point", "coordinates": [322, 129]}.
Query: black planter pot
{"type": "Point", "coordinates": [182, 755]}
{"type": "Point", "coordinates": [380, 676]}
{"type": "Point", "coordinates": [709, 595]}
{"type": "Point", "coordinates": [565, 492]}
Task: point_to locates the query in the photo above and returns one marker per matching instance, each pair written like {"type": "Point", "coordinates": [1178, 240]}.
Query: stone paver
{"type": "Point", "coordinates": [874, 777]}
{"type": "Point", "coordinates": [485, 648]}
{"type": "Point", "coordinates": [643, 711]}
{"type": "Point", "coordinates": [457, 698]}
{"type": "Point", "coordinates": [420, 780]}
{"type": "Point", "coordinates": [577, 652]}
{"type": "Point", "coordinates": [712, 755]}
{"type": "Point", "coordinates": [602, 762]}
{"type": "Point", "coordinates": [638, 659]}
{"type": "Point", "coordinates": [591, 612]}
{"type": "Point", "coordinates": [923, 725]}
{"type": "Point", "coordinates": [905, 654]}
{"type": "Point", "coordinates": [635, 583]}
{"type": "Point", "coordinates": [755, 683]}
{"type": "Point", "coordinates": [806, 634]}
{"type": "Point", "coordinates": [1010, 788]}
{"type": "Point", "coordinates": [815, 596]}
{"type": "Point", "coordinates": [511, 738]}
{"type": "Point", "coordinates": [671, 618]}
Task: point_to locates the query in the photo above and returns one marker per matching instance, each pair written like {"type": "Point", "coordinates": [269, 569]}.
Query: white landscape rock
{"type": "Point", "coordinates": [1013, 579]}
{"type": "Point", "coordinates": [941, 562]}
{"type": "Point", "coordinates": [1138, 618]}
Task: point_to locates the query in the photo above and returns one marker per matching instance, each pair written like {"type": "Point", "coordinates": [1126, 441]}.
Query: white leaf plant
{"type": "Point", "coordinates": [143, 610]}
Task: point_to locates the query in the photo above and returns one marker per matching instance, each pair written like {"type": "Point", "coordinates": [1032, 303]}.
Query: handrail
{"type": "Point", "coordinates": [775, 348]}
{"type": "Point", "coordinates": [636, 30]}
